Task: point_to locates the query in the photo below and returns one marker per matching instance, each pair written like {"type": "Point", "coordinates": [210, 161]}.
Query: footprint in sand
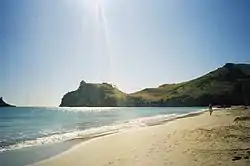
{"type": "Point", "coordinates": [110, 163]}
{"type": "Point", "coordinates": [246, 157]}
{"type": "Point", "coordinates": [236, 158]}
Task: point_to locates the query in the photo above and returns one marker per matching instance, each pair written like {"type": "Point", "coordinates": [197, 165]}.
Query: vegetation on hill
{"type": "Point", "coordinates": [228, 85]}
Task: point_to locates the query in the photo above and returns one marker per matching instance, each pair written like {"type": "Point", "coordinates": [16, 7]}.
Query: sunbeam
{"type": "Point", "coordinates": [103, 41]}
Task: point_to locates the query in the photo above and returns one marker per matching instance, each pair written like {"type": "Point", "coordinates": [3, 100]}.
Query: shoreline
{"type": "Point", "coordinates": [30, 155]}
{"type": "Point", "coordinates": [75, 142]}
{"type": "Point", "coordinates": [41, 151]}
{"type": "Point", "coordinates": [161, 144]}
{"type": "Point", "coordinates": [90, 133]}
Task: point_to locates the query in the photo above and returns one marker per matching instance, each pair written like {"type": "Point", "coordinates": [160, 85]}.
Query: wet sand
{"type": "Point", "coordinates": [220, 139]}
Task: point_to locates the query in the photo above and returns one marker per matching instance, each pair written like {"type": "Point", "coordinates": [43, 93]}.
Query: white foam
{"type": "Point", "coordinates": [92, 132]}
{"type": "Point", "coordinates": [88, 109]}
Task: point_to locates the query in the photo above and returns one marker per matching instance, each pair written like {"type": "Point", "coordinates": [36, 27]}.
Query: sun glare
{"type": "Point", "coordinates": [96, 10]}
{"type": "Point", "coordinates": [92, 4]}
{"type": "Point", "coordinates": [89, 5]}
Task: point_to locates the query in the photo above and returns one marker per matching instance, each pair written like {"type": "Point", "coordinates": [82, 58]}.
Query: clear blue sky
{"type": "Point", "coordinates": [48, 46]}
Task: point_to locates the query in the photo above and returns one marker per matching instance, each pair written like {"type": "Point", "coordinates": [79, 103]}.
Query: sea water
{"type": "Point", "coordinates": [26, 130]}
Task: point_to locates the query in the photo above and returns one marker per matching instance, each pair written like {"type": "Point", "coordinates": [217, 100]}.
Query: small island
{"type": "Point", "coordinates": [4, 104]}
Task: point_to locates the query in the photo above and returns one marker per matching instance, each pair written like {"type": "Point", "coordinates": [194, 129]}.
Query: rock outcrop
{"type": "Point", "coordinates": [94, 95]}
{"type": "Point", "coordinates": [4, 104]}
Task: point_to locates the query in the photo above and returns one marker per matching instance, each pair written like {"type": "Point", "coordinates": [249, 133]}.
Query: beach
{"type": "Point", "coordinates": [220, 139]}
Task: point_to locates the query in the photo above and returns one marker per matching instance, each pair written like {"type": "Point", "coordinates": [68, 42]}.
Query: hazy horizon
{"type": "Point", "coordinates": [47, 47]}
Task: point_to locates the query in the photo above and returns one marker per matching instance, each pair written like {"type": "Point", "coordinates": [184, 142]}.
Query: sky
{"type": "Point", "coordinates": [48, 46]}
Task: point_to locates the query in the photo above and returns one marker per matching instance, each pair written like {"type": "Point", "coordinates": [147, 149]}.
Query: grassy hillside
{"type": "Point", "coordinates": [229, 84]}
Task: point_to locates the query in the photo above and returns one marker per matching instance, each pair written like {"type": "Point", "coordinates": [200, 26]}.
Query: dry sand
{"type": "Point", "coordinates": [199, 140]}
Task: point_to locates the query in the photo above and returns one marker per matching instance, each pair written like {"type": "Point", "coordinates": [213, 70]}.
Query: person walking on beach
{"type": "Point", "coordinates": [210, 109]}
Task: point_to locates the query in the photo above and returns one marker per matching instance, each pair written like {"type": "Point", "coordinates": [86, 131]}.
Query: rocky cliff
{"type": "Point", "coordinates": [94, 95]}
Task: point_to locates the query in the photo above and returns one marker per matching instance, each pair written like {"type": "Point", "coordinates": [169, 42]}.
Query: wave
{"type": "Point", "coordinates": [100, 131]}
{"type": "Point", "coordinates": [84, 109]}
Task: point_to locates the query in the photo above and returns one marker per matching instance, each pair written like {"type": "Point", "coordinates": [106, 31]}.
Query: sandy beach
{"type": "Point", "coordinates": [220, 139]}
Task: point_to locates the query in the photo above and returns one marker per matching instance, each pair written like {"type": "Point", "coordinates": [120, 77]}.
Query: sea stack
{"type": "Point", "coordinates": [4, 104]}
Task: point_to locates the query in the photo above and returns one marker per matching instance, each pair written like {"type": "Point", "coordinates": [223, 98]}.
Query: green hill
{"type": "Point", "coordinates": [228, 85]}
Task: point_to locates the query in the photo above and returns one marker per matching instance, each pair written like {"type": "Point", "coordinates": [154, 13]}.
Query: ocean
{"type": "Point", "coordinates": [30, 134]}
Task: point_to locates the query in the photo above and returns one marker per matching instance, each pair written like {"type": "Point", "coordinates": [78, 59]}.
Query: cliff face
{"type": "Point", "coordinates": [4, 104]}
{"type": "Point", "coordinates": [228, 85]}
{"type": "Point", "coordinates": [94, 95]}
